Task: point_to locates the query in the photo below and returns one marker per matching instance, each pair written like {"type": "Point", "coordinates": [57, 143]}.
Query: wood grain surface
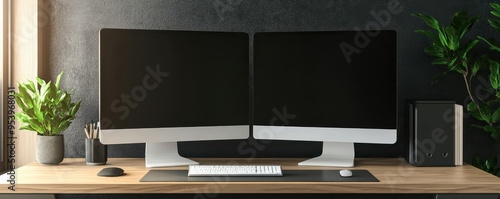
{"type": "Point", "coordinates": [395, 175]}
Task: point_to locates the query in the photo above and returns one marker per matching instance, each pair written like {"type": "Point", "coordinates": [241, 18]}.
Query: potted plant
{"type": "Point", "coordinates": [48, 110]}
{"type": "Point", "coordinates": [450, 48]}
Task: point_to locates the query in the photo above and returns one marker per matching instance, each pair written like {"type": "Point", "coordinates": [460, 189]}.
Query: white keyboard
{"type": "Point", "coordinates": [234, 170]}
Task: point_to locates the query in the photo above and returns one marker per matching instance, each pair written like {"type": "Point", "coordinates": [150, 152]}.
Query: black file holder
{"type": "Point", "coordinates": [432, 133]}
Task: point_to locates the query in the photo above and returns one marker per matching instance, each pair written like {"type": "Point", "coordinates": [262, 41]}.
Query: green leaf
{"type": "Point", "coordinates": [495, 13]}
{"type": "Point", "coordinates": [474, 111]}
{"type": "Point", "coordinates": [427, 33]}
{"type": "Point", "coordinates": [495, 134]}
{"type": "Point", "coordinates": [38, 112]}
{"type": "Point", "coordinates": [451, 35]}
{"type": "Point", "coordinates": [29, 128]}
{"type": "Point", "coordinates": [476, 162]}
{"type": "Point", "coordinates": [25, 90]}
{"type": "Point", "coordinates": [462, 23]}
{"type": "Point", "coordinates": [63, 125]}
{"type": "Point", "coordinates": [35, 124]}
{"type": "Point", "coordinates": [58, 80]}
{"type": "Point", "coordinates": [22, 105]}
{"type": "Point", "coordinates": [443, 37]}
{"type": "Point", "coordinates": [458, 18]}
{"type": "Point", "coordinates": [75, 108]}
{"type": "Point", "coordinates": [475, 68]}
{"type": "Point", "coordinates": [468, 47]}
{"type": "Point", "coordinates": [477, 126]}
{"type": "Point", "coordinates": [31, 86]}
{"type": "Point", "coordinates": [452, 65]}
{"type": "Point", "coordinates": [479, 63]}
{"type": "Point", "coordinates": [435, 51]}
{"type": "Point", "coordinates": [430, 21]}
{"type": "Point", "coordinates": [20, 96]}
{"type": "Point", "coordinates": [495, 6]}
{"type": "Point", "coordinates": [487, 165]}
{"type": "Point", "coordinates": [36, 94]}
{"type": "Point", "coordinates": [40, 81]}
{"type": "Point", "coordinates": [490, 164]}
{"type": "Point", "coordinates": [493, 44]}
{"type": "Point", "coordinates": [486, 115]}
{"type": "Point", "coordinates": [467, 26]}
{"type": "Point", "coordinates": [44, 90]}
{"type": "Point", "coordinates": [21, 116]}
{"type": "Point", "coordinates": [495, 74]}
{"type": "Point", "coordinates": [440, 61]}
{"type": "Point", "coordinates": [496, 116]}
{"type": "Point", "coordinates": [494, 23]}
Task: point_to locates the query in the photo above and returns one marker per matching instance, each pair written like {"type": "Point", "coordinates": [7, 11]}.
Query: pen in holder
{"type": "Point", "coordinates": [96, 153]}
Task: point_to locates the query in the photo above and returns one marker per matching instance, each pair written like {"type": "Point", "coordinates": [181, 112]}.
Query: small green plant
{"type": "Point", "coordinates": [45, 108]}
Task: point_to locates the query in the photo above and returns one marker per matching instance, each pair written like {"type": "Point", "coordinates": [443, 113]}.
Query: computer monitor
{"type": "Point", "coordinates": [159, 87]}
{"type": "Point", "coordinates": [338, 87]}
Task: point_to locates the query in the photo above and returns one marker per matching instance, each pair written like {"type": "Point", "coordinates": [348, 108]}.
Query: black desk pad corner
{"type": "Point", "coordinates": [288, 176]}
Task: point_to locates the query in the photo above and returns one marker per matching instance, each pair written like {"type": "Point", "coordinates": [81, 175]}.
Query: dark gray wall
{"type": "Point", "coordinates": [71, 45]}
{"type": "Point", "coordinates": [71, 38]}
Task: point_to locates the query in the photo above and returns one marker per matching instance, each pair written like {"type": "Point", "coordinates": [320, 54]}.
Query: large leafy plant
{"type": "Point", "coordinates": [490, 165]}
{"type": "Point", "coordinates": [45, 107]}
{"type": "Point", "coordinates": [451, 49]}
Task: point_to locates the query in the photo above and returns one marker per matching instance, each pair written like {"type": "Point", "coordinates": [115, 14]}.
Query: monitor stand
{"type": "Point", "coordinates": [335, 154]}
{"type": "Point", "coordinates": [165, 154]}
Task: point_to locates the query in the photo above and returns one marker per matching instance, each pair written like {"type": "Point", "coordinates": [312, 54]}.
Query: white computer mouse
{"type": "Point", "coordinates": [345, 173]}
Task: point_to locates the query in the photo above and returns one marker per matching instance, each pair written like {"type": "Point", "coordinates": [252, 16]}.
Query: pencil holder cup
{"type": "Point", "coordinates": [96, 153]}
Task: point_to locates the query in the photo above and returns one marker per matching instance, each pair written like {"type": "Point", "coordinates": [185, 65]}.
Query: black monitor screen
{"type": "Point", "coordinates": [159, 78]}
{"type": "Point", "coordinates": [325, 79]}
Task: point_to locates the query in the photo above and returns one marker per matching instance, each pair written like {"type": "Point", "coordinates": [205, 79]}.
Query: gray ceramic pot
{"type": "Point", "coordinates": [49, 149]}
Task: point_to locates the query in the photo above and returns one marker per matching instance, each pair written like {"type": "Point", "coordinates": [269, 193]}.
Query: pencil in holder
{"type": "Point", "coordinates": [96, 153]}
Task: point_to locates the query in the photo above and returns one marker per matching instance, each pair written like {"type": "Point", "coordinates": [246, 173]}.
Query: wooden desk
{"type": "Point", "coordinates": [395, 175]}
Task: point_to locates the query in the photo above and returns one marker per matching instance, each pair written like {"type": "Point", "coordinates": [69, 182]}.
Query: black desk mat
{"type": "Point", "coordinates": [288, 176]}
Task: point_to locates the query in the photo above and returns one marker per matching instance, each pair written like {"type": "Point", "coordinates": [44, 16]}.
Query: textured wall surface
{"type": "Point", "coordinates": [72, 45]}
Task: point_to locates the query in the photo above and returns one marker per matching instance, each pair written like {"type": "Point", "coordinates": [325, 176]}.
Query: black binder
{"type": "Point", "coordinates": [432, 133]}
